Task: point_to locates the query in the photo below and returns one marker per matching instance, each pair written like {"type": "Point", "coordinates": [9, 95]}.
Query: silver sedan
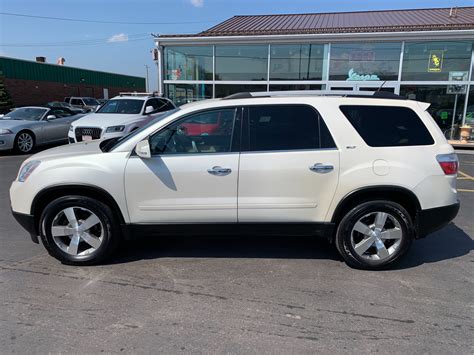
{"type": "Point", "coordinates": [24, 128]}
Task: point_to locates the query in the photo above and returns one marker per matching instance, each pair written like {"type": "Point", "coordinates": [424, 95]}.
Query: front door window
{"type": "Point", "coordinates": [205, 132]}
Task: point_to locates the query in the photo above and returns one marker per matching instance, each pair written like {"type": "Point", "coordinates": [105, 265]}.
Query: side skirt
{"type": "Point", "coordinates": [134, 231]}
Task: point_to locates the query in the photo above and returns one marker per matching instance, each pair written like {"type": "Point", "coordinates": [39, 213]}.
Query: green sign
{"type": "Point", "coordinates": [444, 115]}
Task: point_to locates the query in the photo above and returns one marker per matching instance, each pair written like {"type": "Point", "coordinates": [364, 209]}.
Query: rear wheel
{"type": "Point", "coordinates": [374, 234]}
{"type": "Point", "coordinates": [79, 230]}
{"type": "Point", "coordinates": [24, 142]}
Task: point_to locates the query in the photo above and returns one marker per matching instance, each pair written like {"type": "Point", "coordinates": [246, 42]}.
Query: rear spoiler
{"type": "Point", "coordinates": [424, 105]}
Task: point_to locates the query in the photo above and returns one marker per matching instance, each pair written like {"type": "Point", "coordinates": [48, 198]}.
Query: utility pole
{"type": "Point", "coordinates": [146, 66]}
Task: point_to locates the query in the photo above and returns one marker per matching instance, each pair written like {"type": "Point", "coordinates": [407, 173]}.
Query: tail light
{"type": "Point", "coordinates": [449, 163]}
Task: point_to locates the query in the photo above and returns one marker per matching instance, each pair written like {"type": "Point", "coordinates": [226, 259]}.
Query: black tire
{"type": "Point", "coordinates": [109, 232]}
{"type": "Point", "coordinates": [20, 145]}
{"type": "Point", "coordinates": [346, 236]}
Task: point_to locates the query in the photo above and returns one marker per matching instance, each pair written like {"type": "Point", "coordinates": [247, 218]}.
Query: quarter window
{"type": "Point", "coordinates": [387, 126]}
{"type": "Point", "coordinates": [287, 127]}
{"type": "Point", "coordinates": [204, 132]}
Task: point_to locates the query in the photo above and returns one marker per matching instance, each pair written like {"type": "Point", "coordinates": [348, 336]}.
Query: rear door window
{"type": "Point", "coordinates": [387, 126]}
{"type": "Point", "coordinates": [286, 127]}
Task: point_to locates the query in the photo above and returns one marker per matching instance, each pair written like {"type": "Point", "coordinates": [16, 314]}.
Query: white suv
{"type": "Point", "coordinates": [369, 174]}
{"type": "Point", "coordinates": [119, 116]}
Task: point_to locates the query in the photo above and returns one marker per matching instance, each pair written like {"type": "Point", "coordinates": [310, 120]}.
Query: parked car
{"type": "Point", "coordinates": [26, 127]}
{"type": "Point", "coordinates": [370, 174]}
{"type": "Point", "coordinates": [119, 116]}
{"type": "Point", "coordinates": [88, 104]}
{"type": "Point", "coordinates": [65, 105]}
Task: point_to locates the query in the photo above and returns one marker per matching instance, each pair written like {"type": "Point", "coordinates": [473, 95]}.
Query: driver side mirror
{"type": "Point", "coordinates": [143, 149]}
{"type": "Point", "coordinates": [50, 117]}
{"type": "Point", "coordinates": [149, 109]}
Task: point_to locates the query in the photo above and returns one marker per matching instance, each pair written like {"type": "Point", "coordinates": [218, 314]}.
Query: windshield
{"type": "Point", "coordinates": [128, 106]}
{"type": "Point", "coordinates": [26, 113]}
{"type": "Point", "coordinates": [115, 142]}
{"type": "Point", "coordinates": [90, 101]}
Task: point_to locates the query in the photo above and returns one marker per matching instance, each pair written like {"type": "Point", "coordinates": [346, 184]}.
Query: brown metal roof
{"type": "Point", "coordinates": [344, 22]}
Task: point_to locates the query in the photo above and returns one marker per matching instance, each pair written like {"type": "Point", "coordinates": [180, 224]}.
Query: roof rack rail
{"type": "Point", "coordinates": [134, 93]}
{"type": "Point", "coordinates": [343, 93]}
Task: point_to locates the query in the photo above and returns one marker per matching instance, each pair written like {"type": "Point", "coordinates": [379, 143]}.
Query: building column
{"type": "Point", "coordinates": [159, 68]}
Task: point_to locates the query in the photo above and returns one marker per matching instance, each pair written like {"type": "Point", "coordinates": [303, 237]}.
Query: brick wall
{"type": "Point", "coordinates": [30, 92]}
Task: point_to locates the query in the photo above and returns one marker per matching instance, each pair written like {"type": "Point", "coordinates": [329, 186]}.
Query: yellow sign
{"type": "Point", "coordinates": [435, 63]}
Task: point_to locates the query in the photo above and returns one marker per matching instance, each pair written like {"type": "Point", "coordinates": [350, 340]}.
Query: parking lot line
{"type": "Point", "coordinates": [465, 176]}
{"type": "Point", "coordinates": [465, 190]}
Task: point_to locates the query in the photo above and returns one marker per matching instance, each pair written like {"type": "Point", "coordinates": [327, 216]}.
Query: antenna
{"type": "Point", "coordinates": [381, 86]}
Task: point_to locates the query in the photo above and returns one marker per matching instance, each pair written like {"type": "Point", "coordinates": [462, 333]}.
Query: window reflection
{"type": "Point", "coordinates": [188, 63]}
{"type": "Point", "coordinates": [238, 62]}
{"type": "Point", "coordinates": [433, 61]}
{"type": "Point", "coordinates": [364, 61]}
{"type": "Point", "coordinates": [182, 94]}
{"type": "Point", "coordinates": [297, 62]}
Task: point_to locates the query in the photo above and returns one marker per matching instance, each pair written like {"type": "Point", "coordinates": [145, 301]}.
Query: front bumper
{"type": "Point", "coordinates": [7, 141]}
{"type": "Point", "coordinates": [27, 221]}
{"type": "Point", "coordinates": [430, 220]}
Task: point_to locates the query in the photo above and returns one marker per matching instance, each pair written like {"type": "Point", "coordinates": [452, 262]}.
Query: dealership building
{"type": "Point", "coordinates": [423, 54]}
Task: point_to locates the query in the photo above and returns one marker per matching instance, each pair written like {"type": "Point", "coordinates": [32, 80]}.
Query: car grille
{"type": "Point", "coordinates": [94, 132]}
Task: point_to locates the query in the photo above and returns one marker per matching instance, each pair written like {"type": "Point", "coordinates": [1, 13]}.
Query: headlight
{"type": "Point", "coordinates": [115, 129]}
{"type": "Point", "coordinates": [5, 131]}
{"type": "Point", "coordinates": [27, 169]}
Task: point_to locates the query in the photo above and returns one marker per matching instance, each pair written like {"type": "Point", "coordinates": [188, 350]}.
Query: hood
{"type": "Point", "coordinates": [104, 120]}
{"type": "Point", "coordinates": [71, 150]}
{"type": "Point", "coordinates": [11, 124]}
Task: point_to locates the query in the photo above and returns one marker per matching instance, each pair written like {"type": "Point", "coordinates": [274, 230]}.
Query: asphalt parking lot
{"type": "Point", "coordinates": [238, 295]}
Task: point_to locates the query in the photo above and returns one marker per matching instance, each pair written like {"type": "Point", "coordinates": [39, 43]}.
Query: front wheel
{"type": "Point", "coordinates": [374, 234]}
{"type": "Point", "coordinates": [24, 142]}
{"type": "Point", "coordinates": [79, 230]}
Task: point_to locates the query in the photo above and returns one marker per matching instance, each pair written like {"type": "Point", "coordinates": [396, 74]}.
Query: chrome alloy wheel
{"type": "Point", "coordinates": [376, 236]}
{"type": "Point", "coordinates": [77, 231]}
{"type": "Point", "coordinates": [25, 142]}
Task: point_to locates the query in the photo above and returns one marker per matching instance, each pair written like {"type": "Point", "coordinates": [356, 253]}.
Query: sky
{"type": "Point", "coordinates": [125, 48]}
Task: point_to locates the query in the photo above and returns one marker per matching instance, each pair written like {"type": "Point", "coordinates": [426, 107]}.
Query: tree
{"type": "Point", "coordinates": [6, 102]}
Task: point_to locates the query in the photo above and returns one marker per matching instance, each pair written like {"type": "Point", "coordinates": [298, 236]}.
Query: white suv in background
{"type": "Point", "coordinates": [370, 174]}
{"type": "Point", "coordinates": [119, 116]}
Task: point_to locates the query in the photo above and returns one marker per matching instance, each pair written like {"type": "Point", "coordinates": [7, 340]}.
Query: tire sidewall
{"type": "Point", "coordinates": [105, 216]}
{"type": "Point", "coordinates": [343, 236]}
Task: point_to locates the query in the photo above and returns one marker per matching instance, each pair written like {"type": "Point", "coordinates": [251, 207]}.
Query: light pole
{"type": "Point", "coordinates": [146, 66]}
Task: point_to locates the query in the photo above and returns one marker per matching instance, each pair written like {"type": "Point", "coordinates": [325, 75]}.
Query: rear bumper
{"type": "Point", "coordinates": [430, 220]}
{"type": "Point", "coordinates": [27, 221]}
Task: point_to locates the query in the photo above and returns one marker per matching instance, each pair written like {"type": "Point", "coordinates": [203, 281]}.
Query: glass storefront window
{"type": "Point", "coordinates": [226, 90]}
{"type": "Point", "coordinates": [442, 103]}
{"type": "Point", "coordinates": [364, 61]}
{"type": "Point", "coordinates": [435, 61]}
{"type": "Point", "coordinates": [277, 87]}
{"type": "Point", "coordinates": [182, 94]}
{"type": "Point", "coordinates": [247, 62]}
{"type": "Point", "coordinates": [188, 63]}
{"type": "Point", "coordinates": [297, 61]}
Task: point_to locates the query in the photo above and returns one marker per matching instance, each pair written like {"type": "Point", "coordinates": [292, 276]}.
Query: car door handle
{"type": "Point", "coordinates": [219, 171]}
{"type": "Point", "coordinates": [321, 168]}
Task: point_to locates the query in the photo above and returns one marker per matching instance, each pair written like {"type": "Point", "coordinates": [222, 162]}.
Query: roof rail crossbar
{"type": "Point", "coordinates": [343, 93]}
